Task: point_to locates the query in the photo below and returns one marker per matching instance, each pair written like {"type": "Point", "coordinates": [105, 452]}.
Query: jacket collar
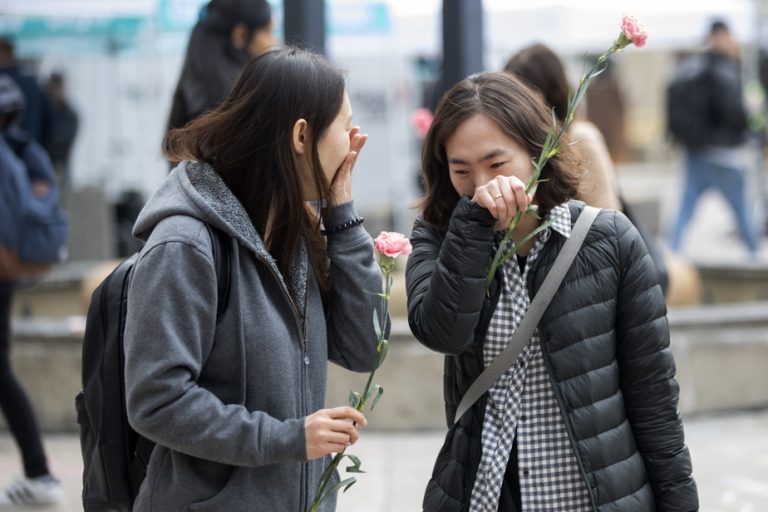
{"type": "Point", "coordinates": [221, 200]}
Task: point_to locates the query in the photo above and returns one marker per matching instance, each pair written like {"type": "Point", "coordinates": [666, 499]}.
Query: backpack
{"type": "Point", "coordinates": [690, 96]}
{"type": "Point", "coordinates": [40, 227]}
{"type": "Point", "coordinates": [704, 104]}
{"type": "Point", "coordinates": [115, 457]}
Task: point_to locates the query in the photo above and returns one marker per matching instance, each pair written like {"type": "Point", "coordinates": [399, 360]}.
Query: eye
{"type": "Point", "coordinates": [498, 165]}
{"type": "Point", "coordinates": [460, 172]}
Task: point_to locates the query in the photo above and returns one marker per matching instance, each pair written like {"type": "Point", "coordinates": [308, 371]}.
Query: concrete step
{"type": "Point", "coordinates": [721, 354]}
{"type": "Point", "coordinates": [66, 291]}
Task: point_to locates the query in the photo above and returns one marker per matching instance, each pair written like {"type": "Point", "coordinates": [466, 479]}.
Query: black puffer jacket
{"type": "Point", "coordinates": [605, 341]}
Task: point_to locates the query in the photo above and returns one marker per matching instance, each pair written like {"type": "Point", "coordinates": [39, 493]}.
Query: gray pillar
{"type": "Point", "coordinates": [462, 40]}
{"type": "Point", "coordinates": [304, 23]}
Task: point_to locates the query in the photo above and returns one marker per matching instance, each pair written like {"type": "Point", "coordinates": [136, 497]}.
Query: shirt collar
{"type": "Point", "coordinates": [560, 216]}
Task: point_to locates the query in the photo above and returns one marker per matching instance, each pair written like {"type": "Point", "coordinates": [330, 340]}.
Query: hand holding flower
{"type": "Point", "coordinates": [631, 33]}
{"type": "Point", "coordinates": [503, 197]}
{"type": "Point", "coordinates": [331, 430]}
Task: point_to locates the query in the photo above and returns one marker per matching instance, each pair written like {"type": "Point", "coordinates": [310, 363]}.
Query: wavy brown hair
{"type": "Point", "coordinates": [520, 114]}
{"type": "Point", "coordinates": [247, 139]}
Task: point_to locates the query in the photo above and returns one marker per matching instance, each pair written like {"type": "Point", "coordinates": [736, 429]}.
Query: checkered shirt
{"type": "Point", "coordinates": [522, 402]}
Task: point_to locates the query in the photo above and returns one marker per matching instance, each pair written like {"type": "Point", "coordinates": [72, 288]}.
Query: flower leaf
{"type": "Point", "coordinates": [382, 350]}
{"type": "Point", "coordinates": [376, 324]}
{"type": "Point", "coordinates": [379, 392]}
{"type": "Point", "coordinates": [544, 225]}
{"type": "Point", "coordinates": [355, 467]}
{"type": "Point", "coordinates": [331, 467]}
{"type": "Point", "coordinates": [354, 399]}
{"type": "Point", "coordinates": [351, 481]}
{"type": "Point", "coordinates": [346, 484]}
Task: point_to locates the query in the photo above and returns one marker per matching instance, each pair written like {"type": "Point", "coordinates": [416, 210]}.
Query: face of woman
{"type": "Point", "coordinates": [479, 151]}
{"type": "Point", "coordinates": [334, 144]}
{"type": "Point", "coordinates": [332, 149]}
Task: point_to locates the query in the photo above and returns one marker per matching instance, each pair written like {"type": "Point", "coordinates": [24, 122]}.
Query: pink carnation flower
{"type": "Point", "coordinates": [634, 31]}
{"type": "Point", "coordinates": [421, 121]}
{"type": "Point", "coordinates": [392, 244]}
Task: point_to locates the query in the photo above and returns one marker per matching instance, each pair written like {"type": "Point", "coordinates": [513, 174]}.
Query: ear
{"type": "Point", "coordinates": [239, 36]}
{"type": "Point", "coordinates": [300, 137]}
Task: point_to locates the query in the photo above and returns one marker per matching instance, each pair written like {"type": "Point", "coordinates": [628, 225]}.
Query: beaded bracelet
{"type": "Point", "coordinates": [342, 227]}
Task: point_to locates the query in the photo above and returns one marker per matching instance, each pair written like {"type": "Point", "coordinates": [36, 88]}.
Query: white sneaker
{"type": "Point", "coordinates": [41, 490]}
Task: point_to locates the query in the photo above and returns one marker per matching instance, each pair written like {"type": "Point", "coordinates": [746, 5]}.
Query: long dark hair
{"type": "Point", "coordinates": [248, 141]}
{"type": "Point", "coordinates": [520, 114]}
{"type": "Point", "coordinates": [540, 68]}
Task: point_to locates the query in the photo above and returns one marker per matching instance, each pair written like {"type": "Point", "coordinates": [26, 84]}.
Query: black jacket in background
{"type": "Point", "coordinates": [704, 103]}
{"type": "Point", "coordinates": [211, 68]}
{"type": "Point", "coordinates": [605, 343]}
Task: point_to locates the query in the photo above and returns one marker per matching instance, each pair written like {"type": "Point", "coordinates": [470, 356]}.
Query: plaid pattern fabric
{"type": "Point", "coordinates": [523, 403]}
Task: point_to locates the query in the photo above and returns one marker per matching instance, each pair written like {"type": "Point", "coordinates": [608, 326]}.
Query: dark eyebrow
{"type": "Point", "coordinates": [492, 154]}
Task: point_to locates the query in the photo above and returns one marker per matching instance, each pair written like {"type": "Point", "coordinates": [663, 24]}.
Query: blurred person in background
{"type": "Point", "coordinates": [540, 68]}
{"type": "Point", "coordinates": [24, 172]}
{"type": "Point", "coordinates": [228, 35]}
{"type": "Point", "coordinates": [63, 128]}
{"type": "Point", "coordinates": [707, 116]}
{"type": "Point", "coordinates": [36, 118]}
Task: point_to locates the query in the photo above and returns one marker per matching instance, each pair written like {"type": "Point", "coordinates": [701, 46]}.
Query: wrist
{"type": "Point", "coordinates": [344, 226]}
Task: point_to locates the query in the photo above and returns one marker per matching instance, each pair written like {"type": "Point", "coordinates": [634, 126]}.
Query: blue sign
{"type": "Point", "coordinates": [357, 19]}
{"type": "Point", "coordinates": [37, 26]}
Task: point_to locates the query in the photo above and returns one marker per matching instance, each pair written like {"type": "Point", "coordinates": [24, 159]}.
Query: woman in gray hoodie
{"type": "Point", "coordinates": [236, 403]}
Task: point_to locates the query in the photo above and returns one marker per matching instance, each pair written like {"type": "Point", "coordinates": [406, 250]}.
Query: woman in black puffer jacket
{"type": "Point", "coordinates": [587, 417]}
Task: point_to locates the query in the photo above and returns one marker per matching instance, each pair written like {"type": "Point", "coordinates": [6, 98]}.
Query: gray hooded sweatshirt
{"type": "Point", "coordinates": [225, 400]}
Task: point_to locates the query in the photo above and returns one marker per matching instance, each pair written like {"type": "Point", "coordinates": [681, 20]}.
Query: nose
{"type": "Point", "coordinates": [480, 177]}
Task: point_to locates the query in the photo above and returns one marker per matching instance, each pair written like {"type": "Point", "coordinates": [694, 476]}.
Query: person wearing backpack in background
{"type": "Point", "coordinates": [706, 115]}
{"type": "Point", "coordinates": [26, 177]}
{"type": "Point", "coordinates": [235, 402]}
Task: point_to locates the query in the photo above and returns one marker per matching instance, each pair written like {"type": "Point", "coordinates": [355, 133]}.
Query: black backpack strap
{"type": "Point", "coordinates": [221, 259]}
{"type": "Point", "coordinates": [139, 463]}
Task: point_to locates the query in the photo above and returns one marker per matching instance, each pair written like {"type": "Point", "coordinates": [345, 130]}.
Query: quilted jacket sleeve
{"type": "Point", "coordinates": [647, 375]}
{"type": "Point", "coordinates": [445, 278]}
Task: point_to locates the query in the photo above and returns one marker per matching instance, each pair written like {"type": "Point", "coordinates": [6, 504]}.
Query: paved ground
{"type": "Point", "coordinates": [730, 455]}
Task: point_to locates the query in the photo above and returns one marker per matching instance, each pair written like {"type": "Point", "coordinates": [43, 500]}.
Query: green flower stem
{"type": "Point", "coordinates": [387, 267]}
{"type": "Point", "coordinates": [549, 150]}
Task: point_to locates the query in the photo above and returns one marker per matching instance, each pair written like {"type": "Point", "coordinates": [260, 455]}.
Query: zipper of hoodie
{"type": "Point", "coordinates": [559, 398]}
{"type": "Point", "coordinates": [302, 329]}
{"type": "Point", "coordinates": [305, 390]}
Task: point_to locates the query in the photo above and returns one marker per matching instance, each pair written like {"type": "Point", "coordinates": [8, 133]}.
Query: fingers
{"type": "Point", "coordinates": [356, 139]}
{"type": "Point", "coordinates": [341, 185]}
{"type": "Point", "coordinates": [356, 144]}
{"type": "Point", "coordinates": [331, 430]}
{"type": "Point", "coordinates": [347, 413]}
{"type": "Point", "coordinates": [503, 197]}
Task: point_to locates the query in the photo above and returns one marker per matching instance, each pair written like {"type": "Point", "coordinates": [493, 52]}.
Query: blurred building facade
{"type": "Point", "coordinates": [121, 60]}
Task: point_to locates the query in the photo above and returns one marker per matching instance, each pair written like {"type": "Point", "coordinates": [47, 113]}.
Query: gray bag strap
{"type": "Point", "coordinates": [535, 311]}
